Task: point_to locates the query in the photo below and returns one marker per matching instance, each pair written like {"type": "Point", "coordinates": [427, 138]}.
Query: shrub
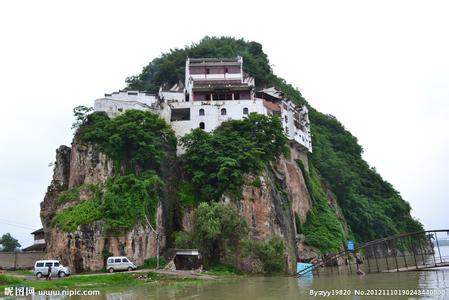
{"type": "Point", "coordinates": [322, 228]}
{"type": "Point", "coordinates": [183, 240]}
{"type": "Point", "coordinates": [223, 270]}
{"type": "Point", "coordinates": [270, 252]}
{"type": "Point", "coordinates": [217, 230]}
{"type": "Point", "coordinates": [123, 202]}
{"type": "Point", "coordinates": [151, 263]}
{"type": "Point", "coordinates": [83, 213]}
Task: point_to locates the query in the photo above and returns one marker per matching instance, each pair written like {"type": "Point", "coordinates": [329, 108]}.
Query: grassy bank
{"type": "Point", "coordinates": [98, 281]}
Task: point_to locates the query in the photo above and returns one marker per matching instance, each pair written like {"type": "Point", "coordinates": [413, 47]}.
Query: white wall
{"type": "Point", "coordinates": [294, 133]}
{"type": "Point", "coordinates": [145, 98]}
{"type": "Point", "coordinates": [113, 103]}
{"type": "Point", "coordinates": [112, 107]}
{"type": "Point", "coordinates": [212, 113]}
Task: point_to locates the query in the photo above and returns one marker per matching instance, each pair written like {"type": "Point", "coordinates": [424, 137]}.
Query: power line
{"type": "Point", "coordinates": [17, 225]}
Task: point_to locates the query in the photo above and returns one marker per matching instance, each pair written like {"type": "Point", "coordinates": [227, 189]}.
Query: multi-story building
{"type": "Point", "coordinates": [215, 90]}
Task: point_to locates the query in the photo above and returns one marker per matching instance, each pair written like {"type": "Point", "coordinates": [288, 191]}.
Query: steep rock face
{"type": "Point", "coordinates": [86, 248]}
{"type": "Point", "coordinates": [88, 165]}
{"type": "Point", "coordinates": [269, 209]}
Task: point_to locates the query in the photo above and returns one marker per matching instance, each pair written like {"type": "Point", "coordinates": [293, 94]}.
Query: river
{"type": "Point", "coordinates": [285, 288]}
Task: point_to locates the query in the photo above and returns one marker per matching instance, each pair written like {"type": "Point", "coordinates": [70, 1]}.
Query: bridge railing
{"type": "Point", "coordinates": [400, 252]}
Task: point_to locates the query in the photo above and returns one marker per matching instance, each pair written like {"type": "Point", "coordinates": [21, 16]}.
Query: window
{"type": "Point", "coordinates": [48, 264]}
{"type": "Point", "coordinates": [201, 112]}
{"type": "Point", "coordinates": [207, 71]}
{"type": "Point", "coordinates": [180, 114]}
{"type": "Point", "coordinates": [110, 261]}
{"type": "Point", "coordinates": [208, 97]}
{"type": "Point", "coordinates": [245, 110]}
{"type": "Point", "coordinates": [286, 118]}
{"type": "Point", "coordinates": [120, 109]}
{"type": "Point", "coordinates": [56, 264]}
{"type": "Point", "coordinates": [125, 260]}
{"type": "Point", "coordinates": [39, 265]}
{"type": "Point", "coordinates": [223, 112]}
{"type": "Point", "coordinates": [202, 125]}
{"type": "Point", "coordinates": [117, 260]}
{"type": "Point", "coordinates": [236, 96]}
{"type": "Point", "coordinates": [226, 70]}
{"type": "Point", "coordinates": [286, 129]}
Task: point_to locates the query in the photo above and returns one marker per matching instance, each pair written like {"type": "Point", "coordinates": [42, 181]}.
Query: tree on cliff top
{"type": "Point", "coordinates": [217, 161]}
{"type": "Point", "coordinates": [138, 142]}
{"type": "Point", "coordinates": [371, 206]}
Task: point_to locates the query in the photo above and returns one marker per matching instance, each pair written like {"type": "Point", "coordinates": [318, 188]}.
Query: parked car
{"type": "Point", "coordinates": [57, 269]}
{"type": "Point", "coordinates": [119, 263]}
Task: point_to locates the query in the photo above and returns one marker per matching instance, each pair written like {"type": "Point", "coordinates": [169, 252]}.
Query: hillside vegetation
{"type": "Point", "coordinates": [137, 142]}
{"type": "Point", "coordinates": [371, 206]}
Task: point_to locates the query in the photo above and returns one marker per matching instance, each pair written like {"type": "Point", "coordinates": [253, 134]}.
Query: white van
{"type": "Point", "coordinates": [119, 263]}
{"type": "Point", "coordinates": [41, 268]}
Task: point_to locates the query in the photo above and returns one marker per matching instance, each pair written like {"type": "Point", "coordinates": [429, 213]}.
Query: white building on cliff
{"type": "Point", "coordinates": [215, 90]}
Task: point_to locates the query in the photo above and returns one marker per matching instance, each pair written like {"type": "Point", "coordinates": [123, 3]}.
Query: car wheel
{"type": "Point", "coordinates": [110, 270]}
{"type": "Point", "coordinates": [130, 269]}
{"type": "Point", "coordinates": [39, 275]}
{"type": "Point", "coordinates": [61, 274]}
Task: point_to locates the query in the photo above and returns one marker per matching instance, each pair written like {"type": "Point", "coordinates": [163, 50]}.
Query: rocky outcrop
{"type": "Point", "coordinates": [269, 209]}
{"type": "Point", "coordinates": [87, 247]}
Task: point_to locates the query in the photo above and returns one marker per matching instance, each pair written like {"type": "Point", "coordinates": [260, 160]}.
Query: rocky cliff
{"type": "Point", "coordinates": [268, 209]}
{"type": "Point", "coordinates": [85, 248]}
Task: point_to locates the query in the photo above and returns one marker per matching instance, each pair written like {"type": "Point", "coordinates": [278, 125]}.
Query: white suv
{"type": "Point", "coordinates": [119, 263]}
{"type": "Point", "coordinates": [41, 268]}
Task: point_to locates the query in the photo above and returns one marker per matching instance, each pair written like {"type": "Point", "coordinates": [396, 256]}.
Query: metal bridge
{"type": "Point", "coordinates": [398, 253]}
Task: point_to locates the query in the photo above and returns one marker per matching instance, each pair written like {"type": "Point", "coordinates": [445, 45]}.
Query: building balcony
{"type": "Point", "coordinates": [225, 76]}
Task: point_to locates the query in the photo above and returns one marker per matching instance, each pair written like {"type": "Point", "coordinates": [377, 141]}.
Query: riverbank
{"type": "Point", "coordinates": [105, 280]}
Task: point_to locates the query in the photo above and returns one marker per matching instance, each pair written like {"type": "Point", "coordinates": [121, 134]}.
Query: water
{"type": "Point", "coordinates": [268, 288]}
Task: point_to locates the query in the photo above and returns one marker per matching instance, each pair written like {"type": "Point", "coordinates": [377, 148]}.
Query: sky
{"type": "Point", "coordinates": [380, 67]}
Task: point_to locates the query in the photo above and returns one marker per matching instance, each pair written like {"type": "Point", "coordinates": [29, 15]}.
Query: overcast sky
{"type": "Point", "coordinates": [381, 67]}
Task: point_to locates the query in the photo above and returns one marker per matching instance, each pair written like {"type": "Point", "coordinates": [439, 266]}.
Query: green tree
{"type": "Point", "coordinates": [9, 243]}
{"type": "Point", "coordinates": [80, 112]}
{"type": "Point", "coordinates": [218, 161]}
{"type": "Point", "coordinates": [217, 230]}
{"type": "Point", "coordinates": [135, 140]}
{"type": "Point", "coordinates": [270, 252]}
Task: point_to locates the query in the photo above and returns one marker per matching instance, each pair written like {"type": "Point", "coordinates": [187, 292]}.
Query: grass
{"type": "Point", "coordinates": [6, 280]}
{"type": "Point", "coordinates": [97, 281]}
{"type": "Point", "coordinates": [222, 270]}
{"type": "Point", "coordinates": [20, 272]}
